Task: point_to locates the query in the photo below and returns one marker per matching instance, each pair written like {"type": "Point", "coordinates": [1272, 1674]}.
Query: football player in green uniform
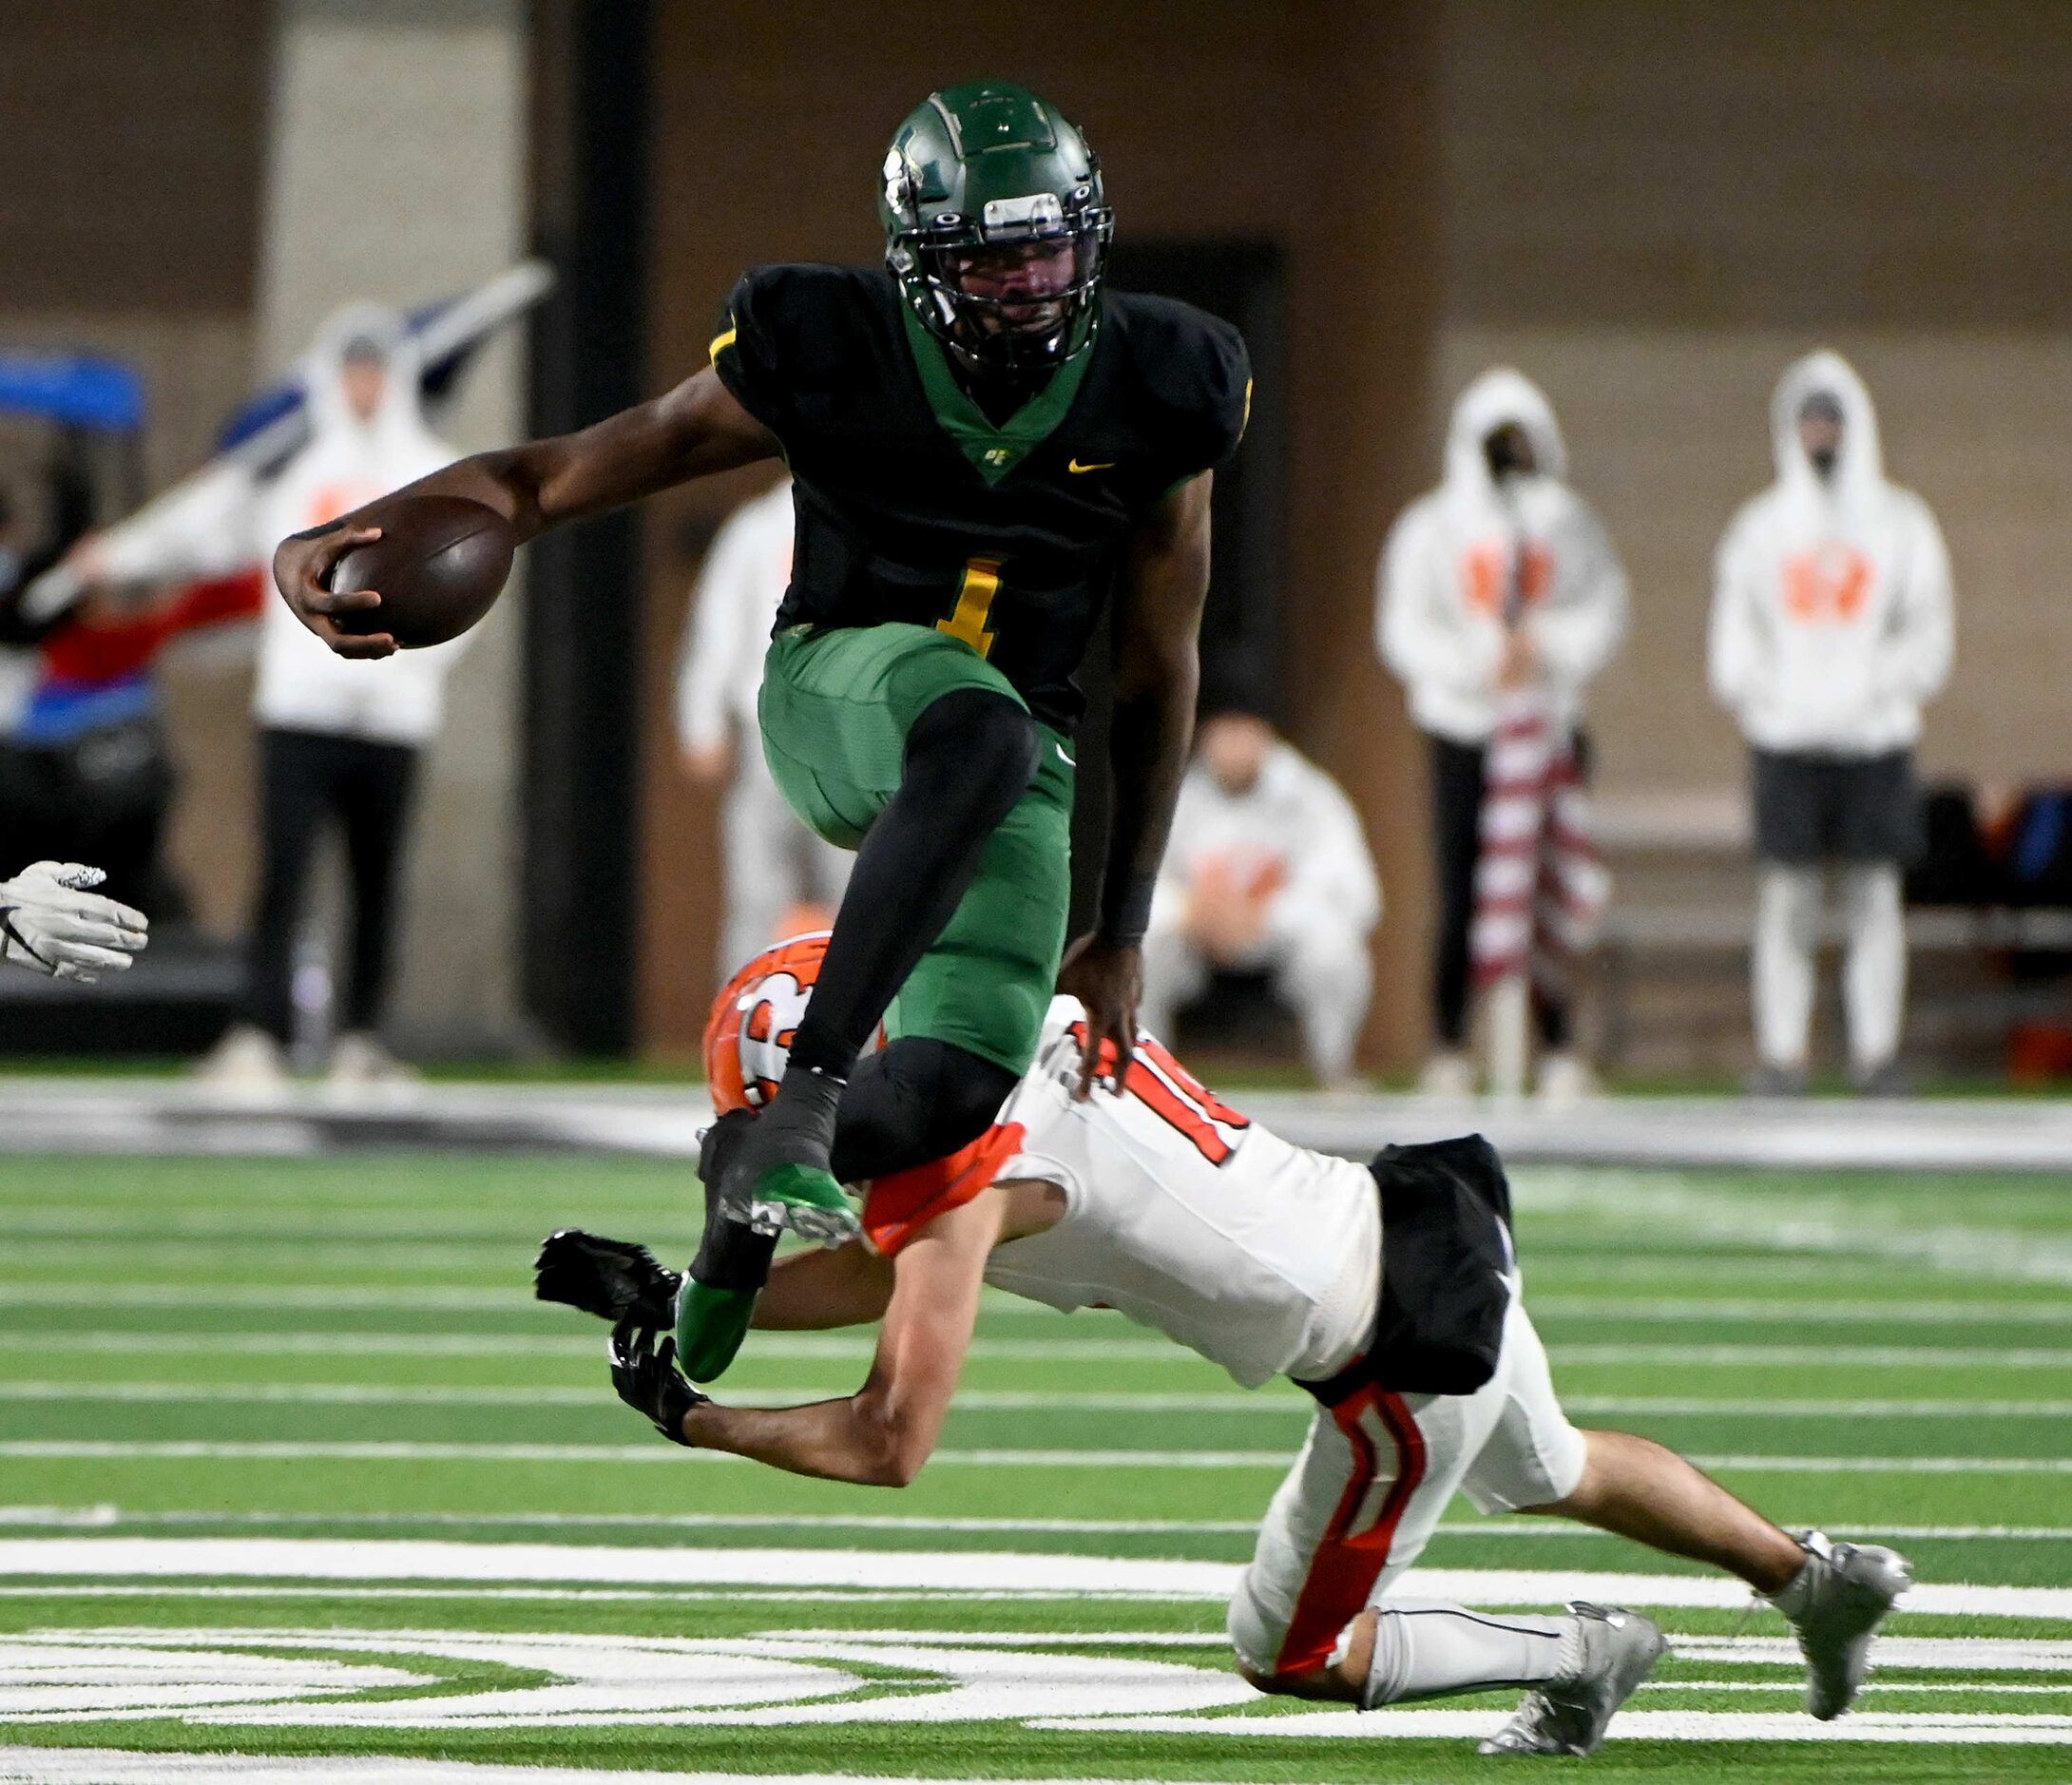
{"type": "Point", "coordinates": [987, 448]}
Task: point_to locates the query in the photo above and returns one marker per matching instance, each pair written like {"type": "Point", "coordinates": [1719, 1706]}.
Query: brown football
{"type": "Point", "coordinates": [438, 567]}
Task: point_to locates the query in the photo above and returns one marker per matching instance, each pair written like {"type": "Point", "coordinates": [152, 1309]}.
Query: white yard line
{"type": "Point", "coordinates": [383, 1450]}
{"type": "Point", "coordinates": [426, 1300]}
{"type": "Point", "coordinates": [1838, 1357]}
{"type": "Point", "coordinates": [134, 1561]}
{"type": "Point", "coordinates": [1820, 1223]}
{"type": "Point", "coordinates": [512, 1298]}
{"type": "Point", "coordinates": [793, 1347]}
{"type": "Point", "coordinates": [1236, 1402]}
{"type": "Point", "coordinates": [386, 1450]}
{"type": "Point", "coordinates": [821, 1347]}
{"type": "Point", "coordinates": [1937, 1728]}
{"type": "Point", "coordinates": [1760, 1408]}
{"type": "Point", "coordinates": [111, 1766]}
{"type": "Point", "coordinates": [105, 1516]}
{"type": "Point", "coordinates": [1696, 1309]}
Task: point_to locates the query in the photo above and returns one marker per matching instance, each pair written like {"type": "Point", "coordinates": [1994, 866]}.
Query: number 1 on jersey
{"type": "Point", "coordinates": [974, 606]}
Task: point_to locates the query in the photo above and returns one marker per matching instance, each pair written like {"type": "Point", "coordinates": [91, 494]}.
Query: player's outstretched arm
{"type": "Point", "coordinates": [882, 1435]}
{"type": "Point", "coordinates": [1158, 632]}
{"type": "Point", "coordinates": [693, 430]}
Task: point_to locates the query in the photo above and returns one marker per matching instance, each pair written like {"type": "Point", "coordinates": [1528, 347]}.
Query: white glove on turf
{"type": "Point", "coordinates": [50, 923]}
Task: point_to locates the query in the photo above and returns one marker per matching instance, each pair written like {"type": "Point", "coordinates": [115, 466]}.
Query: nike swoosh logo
{"type": "Point", "coordinates": [1106, 465]}
{"type": "Point", "coordinates": [1063, 758]}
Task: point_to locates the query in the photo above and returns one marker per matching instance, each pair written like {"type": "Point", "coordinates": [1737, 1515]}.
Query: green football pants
{"type": "Point", "coordinates": [836, 706]}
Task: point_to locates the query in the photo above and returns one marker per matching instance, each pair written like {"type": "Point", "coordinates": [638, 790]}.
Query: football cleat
{"type": "Point", "coordinates": [1619, 1649]}
{"type": "Point", "coordinates": [1836, 1603]}
{"type": "Point", "coordinates": [802, 1199]}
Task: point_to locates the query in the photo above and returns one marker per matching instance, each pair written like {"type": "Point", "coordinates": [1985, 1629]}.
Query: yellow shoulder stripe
{"type": "Point", "coordinates": [719, 341]}
{"type": "Point", "coordinates": [1243, 425]}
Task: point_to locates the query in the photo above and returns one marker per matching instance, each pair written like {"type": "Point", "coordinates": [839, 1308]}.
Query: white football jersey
{"type": "Point", "coordinates": [1185, 1216]}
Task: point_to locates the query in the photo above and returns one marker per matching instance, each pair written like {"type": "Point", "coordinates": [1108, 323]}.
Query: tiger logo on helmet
{"type": "Point", "coordinates": [748, 1036]}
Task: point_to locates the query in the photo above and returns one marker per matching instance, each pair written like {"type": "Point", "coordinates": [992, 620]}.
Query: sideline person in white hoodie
{"type": "Point", "coordinates": [1830, 628]}
{"type": "Point", "coordinates": [1267, 870]}
{"type": "Point", "coordinates": [339, 740]}
{"type": "Point", "coordinates": [1501, 577]}
{"type": "Point", "coordinates": [774, 865]}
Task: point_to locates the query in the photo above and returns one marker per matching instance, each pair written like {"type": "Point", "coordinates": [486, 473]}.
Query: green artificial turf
{"type": "Point", "coordinates": [1821, 1336]}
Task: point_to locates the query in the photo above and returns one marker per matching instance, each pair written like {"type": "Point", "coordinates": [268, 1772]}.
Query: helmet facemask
{"type": "Point", "coordinates": [1011, 292]}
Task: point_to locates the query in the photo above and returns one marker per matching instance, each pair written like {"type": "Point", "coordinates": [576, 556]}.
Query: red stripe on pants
{"type": "Point", "coordinates": [1348, 1561]}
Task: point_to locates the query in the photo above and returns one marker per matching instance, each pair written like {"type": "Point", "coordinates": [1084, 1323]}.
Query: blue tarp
{"type": "Point", "coordinates": [72, 389]}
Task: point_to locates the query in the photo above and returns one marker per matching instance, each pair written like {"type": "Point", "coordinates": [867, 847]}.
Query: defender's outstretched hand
{"type": "Point", "coordinates": [303, 567]}
{"type": "Point", "coordinates": [51, 924]}
{"type": "Point", "coordinates": [644, 1370]}
{"type": "Point", "coordinates": [615, 1279]}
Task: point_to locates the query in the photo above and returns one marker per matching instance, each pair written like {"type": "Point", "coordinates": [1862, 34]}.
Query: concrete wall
{"type": "Point", "coordinates": [1654, 206]}
{"type": "Point", "coordinates": [397, 169]}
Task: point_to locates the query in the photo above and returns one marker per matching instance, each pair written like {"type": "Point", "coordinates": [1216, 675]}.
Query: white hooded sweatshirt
{"type": "Point", "coordinates": [1293, 831]}
{"type": "Point", "coordinates": [227, 518]}
{"type": "Point", "coordinates": [739, 592]}
{"type": "Point", "coordinates": [1830, 621]}
{"type": "Point", "coordinates": [1456, 551]}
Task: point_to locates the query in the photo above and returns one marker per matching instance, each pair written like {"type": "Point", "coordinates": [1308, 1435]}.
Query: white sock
{"type": "Point", "coordinates": [1425, 1648]}
{"type": "Point", "coordinates": [1874, 969]}
{"type": "Point", "coordinates": [1787, 934]}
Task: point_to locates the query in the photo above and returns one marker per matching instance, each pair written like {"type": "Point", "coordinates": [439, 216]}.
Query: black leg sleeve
{"type": "Point", "coordinates": [1456, 823]}
{"type": "Point", "coordinates": [969, 759]}
{"type": "Point", "coordinates": [918, 1101]}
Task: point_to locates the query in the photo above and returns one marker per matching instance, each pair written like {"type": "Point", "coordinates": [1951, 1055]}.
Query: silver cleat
{"type": "Point", "coordinates": [1841, 1596]}
{"type": "Point", "coordinates": [1619, 1649]}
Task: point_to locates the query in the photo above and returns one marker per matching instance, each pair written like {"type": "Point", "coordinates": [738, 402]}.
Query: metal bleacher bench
{"type": "Point", "coordinates": [1684, 897]}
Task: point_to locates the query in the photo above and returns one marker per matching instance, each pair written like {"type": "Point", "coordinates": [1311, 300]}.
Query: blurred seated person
{"type": "Point", "coordinates": [1267, 872]}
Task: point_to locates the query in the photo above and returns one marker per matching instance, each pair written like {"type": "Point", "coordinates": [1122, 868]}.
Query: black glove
{"type": "Point", "coordinates": [612, 1278]}
{"type": "Point", "coordinates": [644, 1370]}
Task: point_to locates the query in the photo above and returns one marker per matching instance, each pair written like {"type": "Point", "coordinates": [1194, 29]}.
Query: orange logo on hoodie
{"type": "Point", "coordinates": [1486, 573]}
{"type": "Point", "coordinates": [1830, 583]}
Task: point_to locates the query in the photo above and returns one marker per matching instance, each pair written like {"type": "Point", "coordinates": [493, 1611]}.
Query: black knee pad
{"type": "Point", "coordinates": [917, 1101]}
{"type": "Point", "coordinates": [979, 736]}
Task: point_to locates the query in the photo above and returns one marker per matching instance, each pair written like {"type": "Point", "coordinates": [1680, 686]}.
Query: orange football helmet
{"type": "Point", "coordinates": [748, 1035]}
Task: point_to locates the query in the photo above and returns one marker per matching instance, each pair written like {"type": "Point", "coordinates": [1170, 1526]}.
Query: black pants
{"type": "Point", "coordinates": [306, 777]}
{"type": "Point", "coordinates": [1456, 823]}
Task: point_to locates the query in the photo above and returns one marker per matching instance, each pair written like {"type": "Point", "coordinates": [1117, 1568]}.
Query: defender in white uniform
{"type": "Point", "coordinates": [1158, 1200]}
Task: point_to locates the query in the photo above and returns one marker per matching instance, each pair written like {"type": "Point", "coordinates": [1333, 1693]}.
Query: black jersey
{"type": "Point", "coordinates": [912, 506]}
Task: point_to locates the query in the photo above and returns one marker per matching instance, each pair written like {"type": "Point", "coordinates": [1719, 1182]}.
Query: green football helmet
{"type": "Point", "coordinates": [996, 226]}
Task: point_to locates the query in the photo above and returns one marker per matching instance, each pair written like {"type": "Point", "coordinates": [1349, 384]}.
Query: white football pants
{"type": "Point", "coordinates": [1364, 1495]}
